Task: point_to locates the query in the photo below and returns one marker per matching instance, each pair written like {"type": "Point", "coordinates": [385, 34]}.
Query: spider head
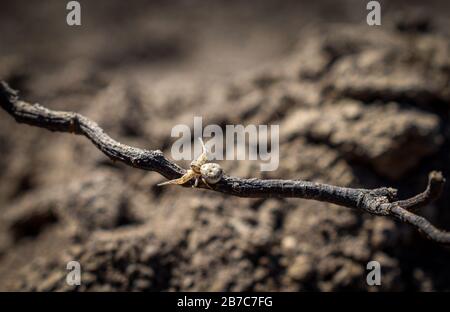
{"type": "Point", "coordinates": [195, 167]}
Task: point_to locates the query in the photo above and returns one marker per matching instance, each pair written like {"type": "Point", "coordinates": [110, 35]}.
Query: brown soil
{"type": "Point", "coordinates": [357, 106]}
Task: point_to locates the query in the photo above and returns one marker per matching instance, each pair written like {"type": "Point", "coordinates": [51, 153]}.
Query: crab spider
{"type": "Point", "coordinates": [209, 173]}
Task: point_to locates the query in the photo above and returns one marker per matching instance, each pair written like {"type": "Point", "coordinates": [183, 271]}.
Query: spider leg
{"type": "Point", "coordinates": [203, 158]}
{"type": "Point", "coordinates": [189, 175]}
{"type": "Point", "coordinates": [196, 182]}
{"type": "Point", "coordinates": [206, 183]}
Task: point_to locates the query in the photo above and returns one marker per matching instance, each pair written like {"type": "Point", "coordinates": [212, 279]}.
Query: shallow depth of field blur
{"type": "Point", "coordinates": [357, 106]}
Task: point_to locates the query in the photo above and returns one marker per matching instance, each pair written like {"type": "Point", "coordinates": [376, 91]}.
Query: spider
{"type": "Point", "coordinates": [209, 173]}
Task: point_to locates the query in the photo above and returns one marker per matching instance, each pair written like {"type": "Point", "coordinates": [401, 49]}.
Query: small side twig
{"type": "Point", "coordinates": [381, 201]}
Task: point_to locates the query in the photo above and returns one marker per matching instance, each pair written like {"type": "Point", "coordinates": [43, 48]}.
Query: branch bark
{"type": "Point", "coordinates": [381, 201]}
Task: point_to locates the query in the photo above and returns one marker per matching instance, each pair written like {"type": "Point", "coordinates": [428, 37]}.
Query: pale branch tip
{"type": "Point", "coordinates": [381, 201]}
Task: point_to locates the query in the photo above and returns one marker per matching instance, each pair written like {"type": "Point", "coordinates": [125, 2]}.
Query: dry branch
{"type": "Point", "coordinates": [381, 201]}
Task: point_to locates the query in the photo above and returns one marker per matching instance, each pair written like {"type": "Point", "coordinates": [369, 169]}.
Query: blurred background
{"type": "Point", "coordinates": [357, 106]}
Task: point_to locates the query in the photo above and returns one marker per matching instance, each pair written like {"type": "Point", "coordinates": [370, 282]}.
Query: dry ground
{"type": "Point", "coordinates": [357, 106]}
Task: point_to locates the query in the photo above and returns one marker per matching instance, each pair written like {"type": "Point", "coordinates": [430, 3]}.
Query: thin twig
{"type": "Point", "coordinates": [381, 201]}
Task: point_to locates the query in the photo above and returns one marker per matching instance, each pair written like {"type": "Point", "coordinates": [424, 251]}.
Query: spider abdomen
{"type": "Point", "coordinates": [211, 172]}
